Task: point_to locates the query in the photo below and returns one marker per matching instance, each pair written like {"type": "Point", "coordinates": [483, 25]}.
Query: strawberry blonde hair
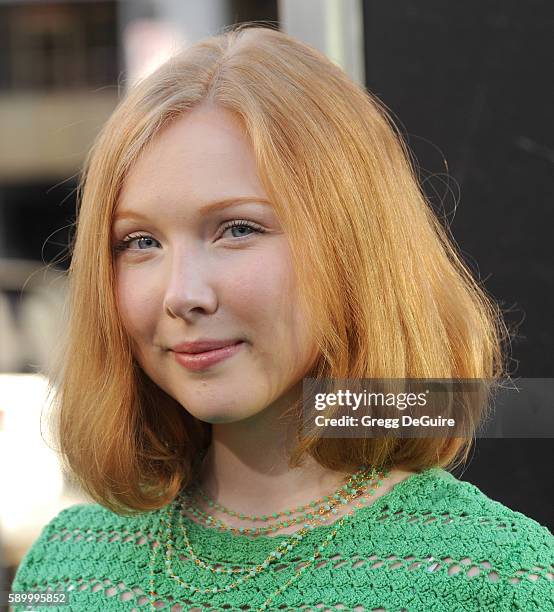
{"type": "Point", "coordinates": [388, 293]}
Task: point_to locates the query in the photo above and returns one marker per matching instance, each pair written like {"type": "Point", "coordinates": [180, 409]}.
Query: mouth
{"type": "Point", "coordinates": [205, 359]}
{"type": "Point", "coordinates": [203, 346]}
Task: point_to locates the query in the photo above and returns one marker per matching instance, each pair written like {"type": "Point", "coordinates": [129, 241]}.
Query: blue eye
{"type": "Point", "coordinates": [122, 245]}
{"type": "Point", "coordinates": [147, 240]}
{"type": "Point", "coordinates": [238, 223]}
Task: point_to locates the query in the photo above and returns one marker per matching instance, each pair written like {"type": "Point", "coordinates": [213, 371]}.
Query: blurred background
{"type": "Point", "coordinates": [466, 82]}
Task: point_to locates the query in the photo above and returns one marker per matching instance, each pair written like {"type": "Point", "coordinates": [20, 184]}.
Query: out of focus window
{"type": "Point", "coordinates": [58, 46]}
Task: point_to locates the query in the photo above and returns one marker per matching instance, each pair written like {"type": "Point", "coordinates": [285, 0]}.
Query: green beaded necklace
{"type": "Point", "coordinates": [327, 503]}
{"type": "Point", "coordinates": [265, 517]}
{"type": "Point", "coordinates": [285, 546]}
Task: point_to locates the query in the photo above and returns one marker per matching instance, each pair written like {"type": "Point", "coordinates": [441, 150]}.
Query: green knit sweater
{"type": "Point", "coordinates": [432, 543]}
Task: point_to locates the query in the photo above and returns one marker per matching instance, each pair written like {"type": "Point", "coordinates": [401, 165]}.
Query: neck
{"type": "Point", "coordinates": [246, 466]}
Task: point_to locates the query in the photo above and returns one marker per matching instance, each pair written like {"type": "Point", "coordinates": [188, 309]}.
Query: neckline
{"type": "Point", "coordinates": [320, 530]}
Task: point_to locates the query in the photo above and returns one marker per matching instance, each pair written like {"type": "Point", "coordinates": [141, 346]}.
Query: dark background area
{"type": "Point", "coordinates": [470, 86]}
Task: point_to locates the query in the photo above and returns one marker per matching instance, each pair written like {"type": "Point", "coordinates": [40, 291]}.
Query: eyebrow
{"type": "Point", "coordinates": [207, 208]}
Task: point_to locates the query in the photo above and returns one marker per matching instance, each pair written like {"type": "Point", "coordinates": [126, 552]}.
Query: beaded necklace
{"type": "Point", "coordinates": [253, 570]}
{"type": "Point", "coordinates": [282, 548]}
{"type": "Point", "coordinates": [328, 503]}
{"type": "Point", "coordinates": [264, 517]}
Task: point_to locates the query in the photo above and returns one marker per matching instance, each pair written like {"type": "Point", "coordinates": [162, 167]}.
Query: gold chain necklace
{"type": "Point", "coordinates": [285, 545]}
{"type": "Point", "coordinates": [296, 537]}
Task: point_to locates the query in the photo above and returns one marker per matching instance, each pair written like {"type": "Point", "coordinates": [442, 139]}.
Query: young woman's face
{"type": "Point", "coordinates": [223, 273]}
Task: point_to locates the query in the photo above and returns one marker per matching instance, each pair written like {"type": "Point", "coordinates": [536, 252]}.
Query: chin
{"type": "Point", "coordinates": [219, 416]}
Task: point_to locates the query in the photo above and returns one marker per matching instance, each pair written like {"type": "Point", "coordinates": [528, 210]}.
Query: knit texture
{"type": "Point", "coordinates": [433, 542]}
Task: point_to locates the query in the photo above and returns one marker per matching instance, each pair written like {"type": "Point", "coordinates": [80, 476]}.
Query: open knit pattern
{"type": "Point", "coordinates": [432, 543]}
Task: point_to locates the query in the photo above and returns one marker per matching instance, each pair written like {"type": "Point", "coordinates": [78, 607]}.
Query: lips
{"type": "Point", "coordinates": [202, 346]}
{"type": "Point", "coordinates": [205, 359]}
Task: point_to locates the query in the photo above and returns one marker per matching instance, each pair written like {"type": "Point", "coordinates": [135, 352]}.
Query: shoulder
{"type": "Point", "coordinates": [472, 543]}
{"type": "Point", "coordinates": [439, 503]}
{"type": "Point", "coordinates": [79, 541]}
{"type": "Point", "coordinates": [441, 490]}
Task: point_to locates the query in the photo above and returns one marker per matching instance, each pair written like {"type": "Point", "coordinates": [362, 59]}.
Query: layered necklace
{"type": "Point", "coordinates": [360, 486]}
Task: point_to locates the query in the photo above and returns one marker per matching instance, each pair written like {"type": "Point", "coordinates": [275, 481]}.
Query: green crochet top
{"type": "Point", "coordinates": [432, 542]}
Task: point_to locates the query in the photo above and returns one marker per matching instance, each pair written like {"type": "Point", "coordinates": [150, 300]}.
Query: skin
{"type": "Point", "coordinates": [192, 278]}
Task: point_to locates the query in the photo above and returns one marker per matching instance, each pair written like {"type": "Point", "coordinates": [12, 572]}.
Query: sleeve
{"type": "Point", "coordinates": [532, 581]}
{"type": "Point", "coordinates": [27, 577]}
{"type": "Point", "coordinates": [523, 568]}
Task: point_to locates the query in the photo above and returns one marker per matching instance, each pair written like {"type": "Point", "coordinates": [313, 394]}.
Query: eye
{"type": "Point", "coordinates": [242, 223]}
{"type": "Point", "coordinates": [147, 240]}
{"type": "Point", "coordinates": [123, 244]}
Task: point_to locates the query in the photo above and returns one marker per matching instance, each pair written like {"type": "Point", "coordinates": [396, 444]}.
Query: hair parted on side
{"type": "Point", "coordinates": [389, 295]}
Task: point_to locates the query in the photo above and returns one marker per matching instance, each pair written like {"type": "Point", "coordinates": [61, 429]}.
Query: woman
{"type": "Point", "coordinates": [249, 218]}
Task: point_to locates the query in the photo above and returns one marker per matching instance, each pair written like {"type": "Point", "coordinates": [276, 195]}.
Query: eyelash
{"type": "Point", "coordinates": [123, 245]}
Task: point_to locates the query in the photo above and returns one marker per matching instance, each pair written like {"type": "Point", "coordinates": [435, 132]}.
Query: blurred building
{"type": "Point", "coordinates": [59, 67]}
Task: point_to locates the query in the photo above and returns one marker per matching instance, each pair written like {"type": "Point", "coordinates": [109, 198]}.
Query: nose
{"type": "Point", "coordinates": [189, 291]}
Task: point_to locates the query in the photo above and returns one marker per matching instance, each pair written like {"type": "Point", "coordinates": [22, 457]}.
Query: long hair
{"type": "Point", "coordinates": [388, 293]}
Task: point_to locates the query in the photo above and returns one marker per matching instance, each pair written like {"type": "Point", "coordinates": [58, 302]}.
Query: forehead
{"type": "Point", "coordinates": [203, 155]}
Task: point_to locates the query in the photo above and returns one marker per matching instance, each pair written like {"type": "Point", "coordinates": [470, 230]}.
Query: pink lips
{"type": "Point", "coordinates": [205, 359]}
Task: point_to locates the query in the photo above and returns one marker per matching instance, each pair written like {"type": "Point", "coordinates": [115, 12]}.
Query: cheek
{"type": "Point", "coordinates": [259, 290]}
{"type": "Point", "coordinates": [267, 298]}
{"type": "Point", "coordinates": [137, 305]}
